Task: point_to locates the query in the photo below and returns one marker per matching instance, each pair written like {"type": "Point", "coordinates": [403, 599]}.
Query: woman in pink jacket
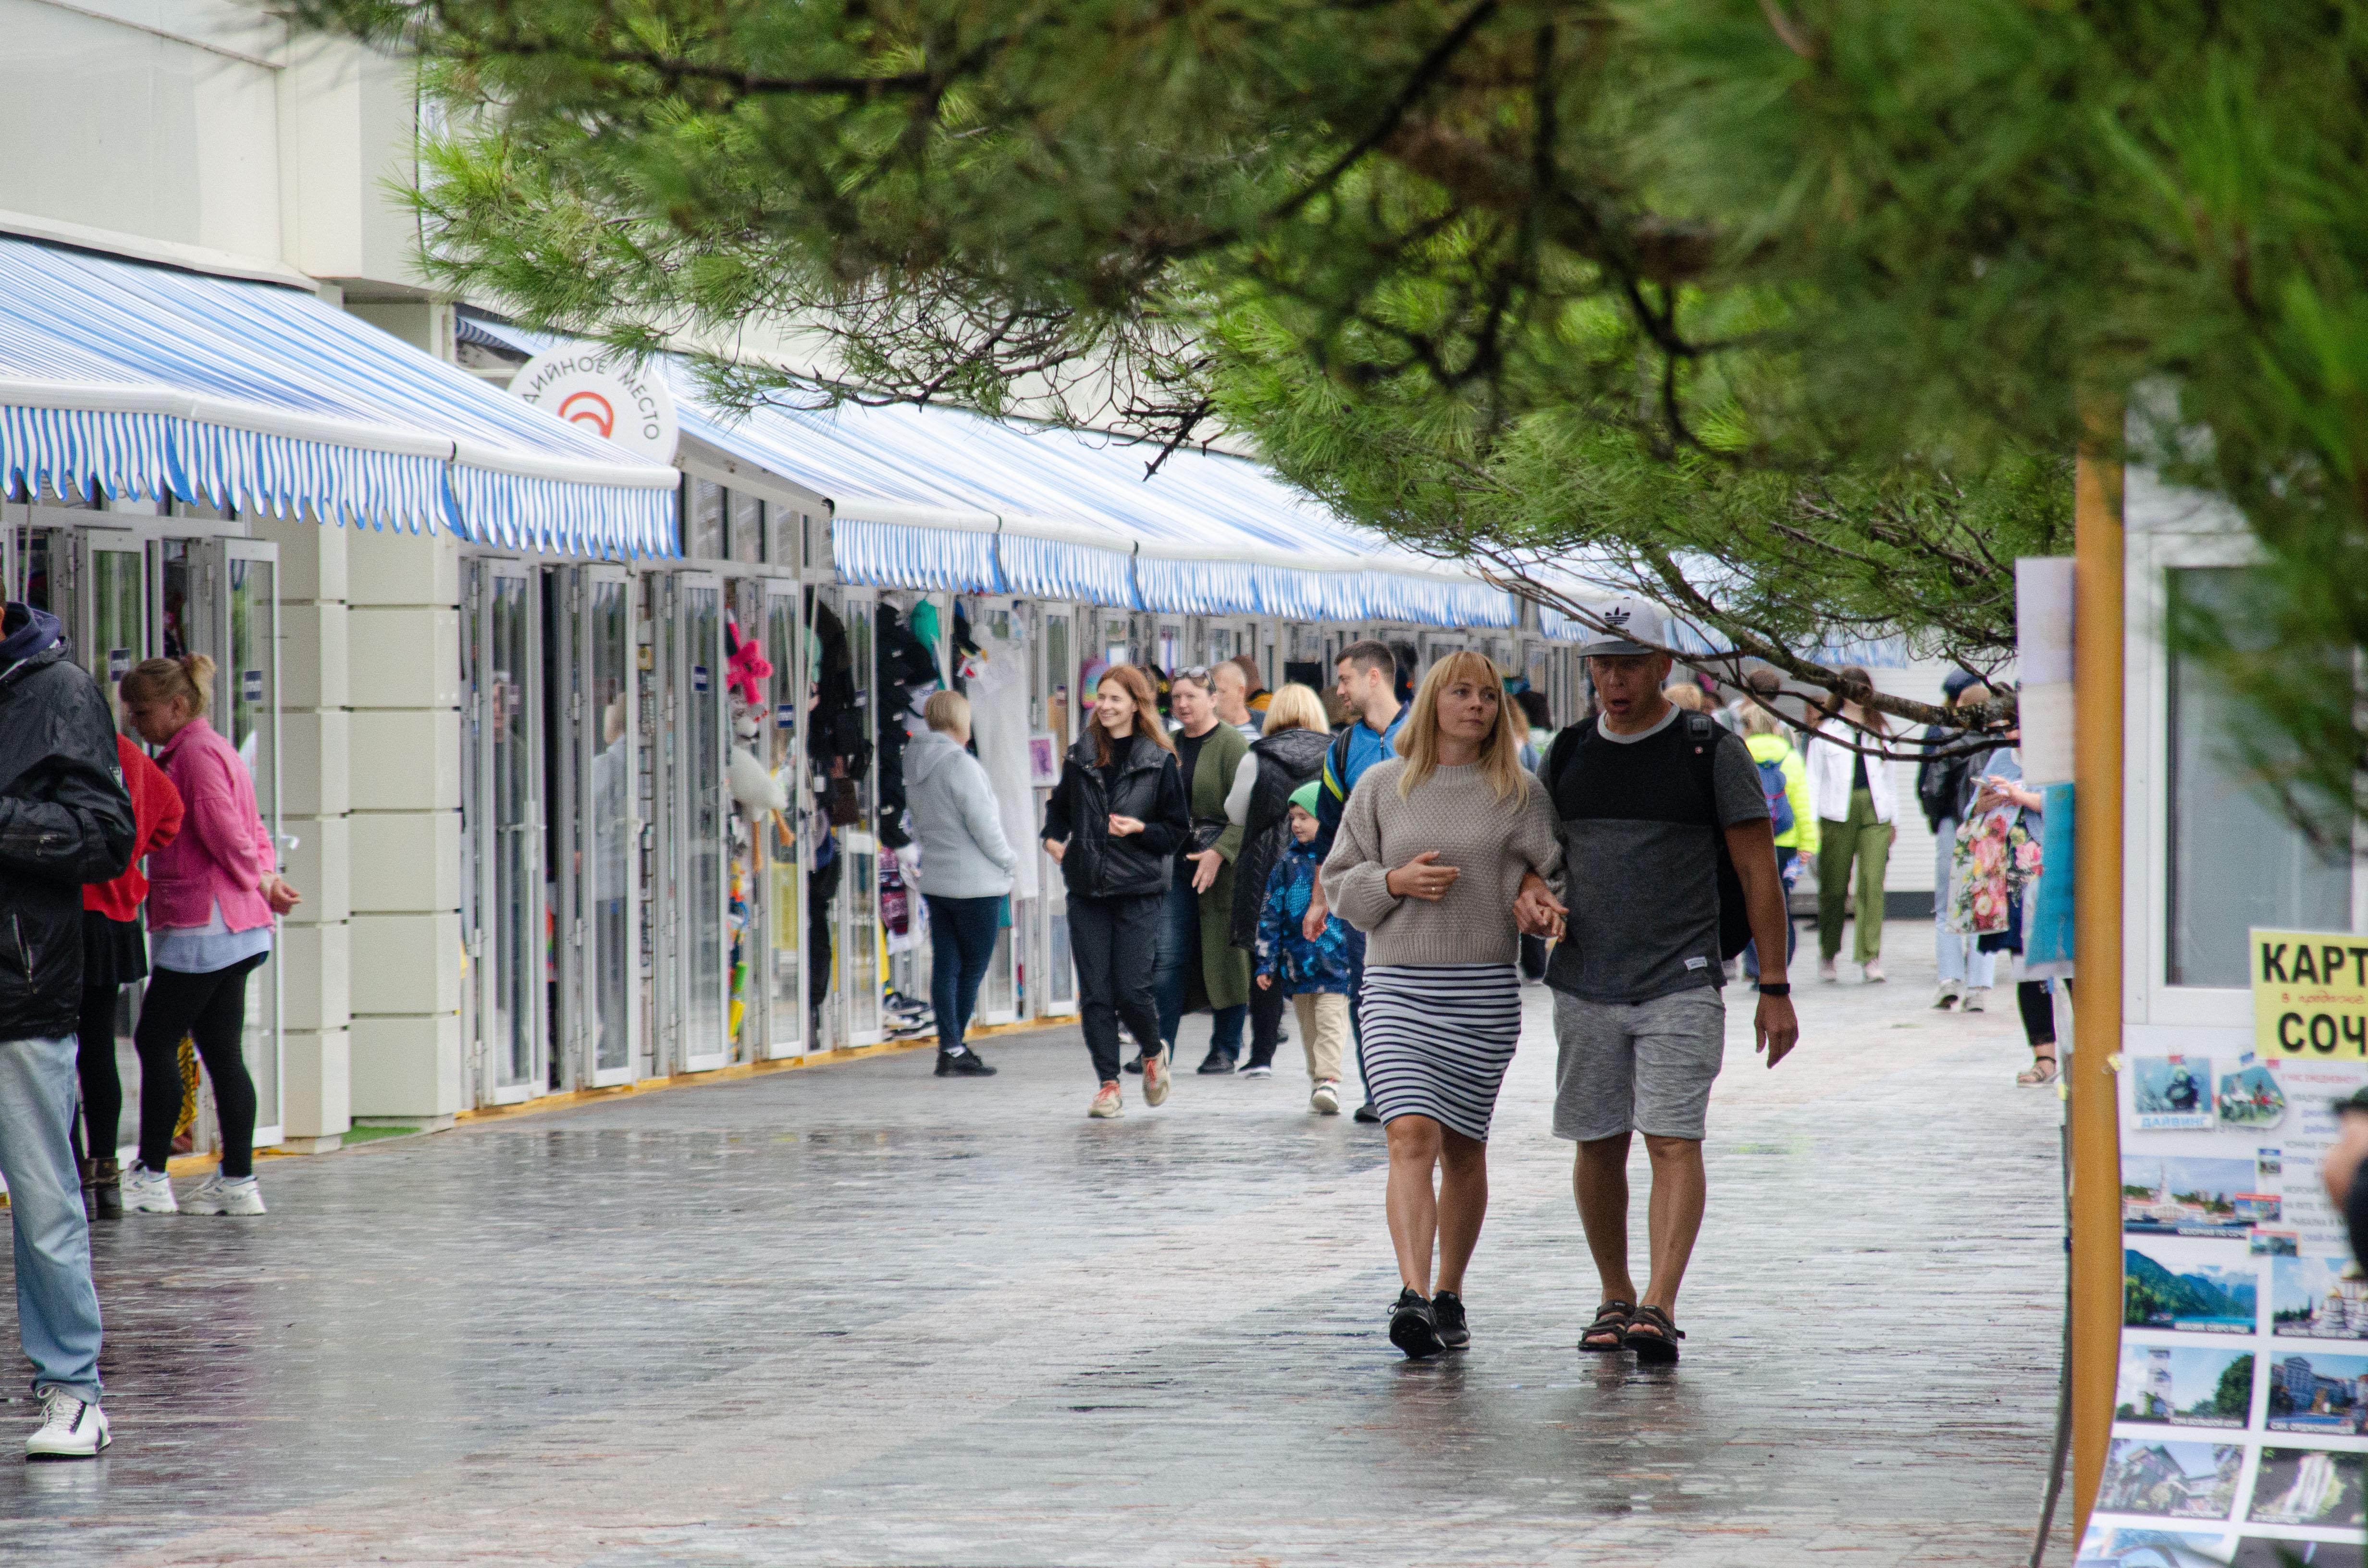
{"type": "Point", "coordinates": [213, 892]}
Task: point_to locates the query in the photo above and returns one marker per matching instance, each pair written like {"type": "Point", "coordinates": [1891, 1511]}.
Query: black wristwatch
{"type": "Point", "coordinates": [1779, 989]}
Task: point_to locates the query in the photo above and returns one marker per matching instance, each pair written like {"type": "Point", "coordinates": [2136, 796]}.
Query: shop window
{"type": "Point", "coordinates": [747, 541]}
{"type": "Point", "coordinates": [2235, 861]}
{"type": "Point", "coordinates": [201, 510]}
{"type": "Point", "coordinates": [702, 520]}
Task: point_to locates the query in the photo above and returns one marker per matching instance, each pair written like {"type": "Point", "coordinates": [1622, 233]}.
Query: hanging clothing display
{"type": "Point", "coordinates": [1994, 861]}
{"type": "Point", "coordinates": [999, 732]}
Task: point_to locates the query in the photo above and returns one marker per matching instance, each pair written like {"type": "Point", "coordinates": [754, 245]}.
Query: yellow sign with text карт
{"type": "Point", "coordinates": [2310, 994]}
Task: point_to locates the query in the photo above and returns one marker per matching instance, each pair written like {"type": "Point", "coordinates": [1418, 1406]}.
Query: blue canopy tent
{"type": "Point", "coordinates": [144, 382]}
{"type": "Point", "coordinates": [944, 499]}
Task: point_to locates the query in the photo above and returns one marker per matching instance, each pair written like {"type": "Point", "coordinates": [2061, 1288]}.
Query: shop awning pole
{"type": "Point", "coordinates": [2095, 1208]}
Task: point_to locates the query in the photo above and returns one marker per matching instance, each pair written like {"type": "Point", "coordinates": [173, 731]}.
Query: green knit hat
{"type": "Point", "coordinates": [1304, 797]}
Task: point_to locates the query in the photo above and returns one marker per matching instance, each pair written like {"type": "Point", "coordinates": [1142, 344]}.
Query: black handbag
{"type": "Point", "coordinates": [1205, 832]}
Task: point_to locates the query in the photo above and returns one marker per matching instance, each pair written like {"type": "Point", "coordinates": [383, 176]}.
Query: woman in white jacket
{"type": "Point", "coordinates": [966, 866]}
{"type": "Point", "coordinates": [1855, 799]}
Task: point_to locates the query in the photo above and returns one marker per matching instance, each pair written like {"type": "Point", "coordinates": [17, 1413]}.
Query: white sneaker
{"type": "Point", "coordinates": [1946, 996]}
{"type": "Point", "coordinates": [1873, 971]}
{"type": "Point", "coordinates": [1107, 1102]}
{"type": "Point", "coordinates": [1829, 970]}
{"type": "Point", "coordinates": [1158, 1075]}
{"type": "Point", "coordinates": [148, 1192]}
{"type": "Point", "coordinates": [222, 1195]}
{"type": "Point", "coordinates": [1325, 1100]}
{"type": "Point", "coordinates": [1258, 1071]}
{"type": "Point", "coordinates": [69, 1430]}
{"type": "Point", "coordinates": [1977, 999]}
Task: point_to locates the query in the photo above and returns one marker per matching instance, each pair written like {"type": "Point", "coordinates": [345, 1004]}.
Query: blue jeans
{"type": "Point", "coordinates": [1179, 954]}
{"type": "Point", "coordinates": [961, 944]}
{"type": "Point", "coordinates": [57, 1305]}
{"type": "Point", "coordinates": [1788, 862]}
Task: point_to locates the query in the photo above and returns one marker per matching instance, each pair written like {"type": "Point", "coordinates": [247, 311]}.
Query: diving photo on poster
{"type": "Point", "coordinates": [2172, 1093]}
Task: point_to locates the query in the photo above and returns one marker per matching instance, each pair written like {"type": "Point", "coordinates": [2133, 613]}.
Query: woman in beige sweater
{"type": "Point", "coordinates": [1443, 858]}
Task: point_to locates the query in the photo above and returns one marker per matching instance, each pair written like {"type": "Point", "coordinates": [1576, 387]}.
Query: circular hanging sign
{"type": "Point", "coordinates": [605, 394]}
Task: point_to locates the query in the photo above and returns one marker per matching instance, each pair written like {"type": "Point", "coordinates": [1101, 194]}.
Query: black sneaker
{"type": "Point", "coordinates": [1135, 1066]}
{"type": "Point", "coordinates": [1214, 1063]}
{"type": "Point", "coordinates": [1447, 1311]}
{"type": "Point", "coordinates": [963, 1064]}
{"type": "Point", "coordinates": [1412, 1327]}
{"type": "Point", "coordinates": [1366, 1113]}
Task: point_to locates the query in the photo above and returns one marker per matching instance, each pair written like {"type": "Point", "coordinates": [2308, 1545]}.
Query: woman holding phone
{"type": "Point", "coordinates": [1114, 824]}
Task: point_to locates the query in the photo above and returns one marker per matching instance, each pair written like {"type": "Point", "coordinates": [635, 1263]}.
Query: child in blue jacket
{"type": "Point", "coordinates": [1314, 975]}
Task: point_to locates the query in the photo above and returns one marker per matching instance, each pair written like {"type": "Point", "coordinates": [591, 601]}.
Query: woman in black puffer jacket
{"type": "Point", "coordinates": [1289, 755]}
{"type": "Point", "coordinates": [1114, 823]}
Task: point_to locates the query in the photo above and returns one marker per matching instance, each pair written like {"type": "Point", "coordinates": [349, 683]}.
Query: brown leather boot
{"type": "Point", "coordinates": [106, 1186]}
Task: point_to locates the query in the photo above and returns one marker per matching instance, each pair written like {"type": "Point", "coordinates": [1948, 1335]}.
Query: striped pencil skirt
{"type": "Point", "coordinates": [1437, 1039]}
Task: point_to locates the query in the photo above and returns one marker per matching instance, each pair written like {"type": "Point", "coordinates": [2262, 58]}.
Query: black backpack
{"type": "Point", "coordinates": [1733, 913]}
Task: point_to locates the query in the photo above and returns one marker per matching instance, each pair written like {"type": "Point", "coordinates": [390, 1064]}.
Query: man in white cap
{"type": "Point", "coordinates": [1671, 863]}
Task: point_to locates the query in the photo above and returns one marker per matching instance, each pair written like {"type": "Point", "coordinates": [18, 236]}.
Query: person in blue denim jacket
{"type": "Point", "coordinates": [1315, 975]}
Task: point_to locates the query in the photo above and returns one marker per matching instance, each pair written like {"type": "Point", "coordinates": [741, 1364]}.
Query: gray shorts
{"type": "Point", "coordinates": [1646, 1066]}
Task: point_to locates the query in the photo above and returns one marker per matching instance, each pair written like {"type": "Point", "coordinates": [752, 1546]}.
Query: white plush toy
{"type": "Point", "coordinates": [756, 789]}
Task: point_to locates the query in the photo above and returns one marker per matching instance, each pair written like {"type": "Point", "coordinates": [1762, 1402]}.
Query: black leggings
{"type": "Point", "coordinates": [2038, 1012]}
{"type": "Point", "coordinates": [102, 1087]}
{"type": "Point", "coordinates": [210, 1009]}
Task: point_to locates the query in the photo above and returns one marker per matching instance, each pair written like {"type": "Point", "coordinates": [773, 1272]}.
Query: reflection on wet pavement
{"type": "Point", "coordinates": [861, 1315]}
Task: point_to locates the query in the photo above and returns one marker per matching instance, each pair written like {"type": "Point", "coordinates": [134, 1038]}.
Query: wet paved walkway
{"type": "Point", "coordinates": [860, 1315]}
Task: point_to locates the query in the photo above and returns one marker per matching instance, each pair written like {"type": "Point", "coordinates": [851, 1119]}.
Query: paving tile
{"type": "Point", "coordinates": [861, 1315]}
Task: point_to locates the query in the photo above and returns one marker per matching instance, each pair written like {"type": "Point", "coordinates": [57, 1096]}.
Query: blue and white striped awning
{"type": "Point", "coordinates": [942, 498]}
{"type": "Point", "coordinates": [144, 382]}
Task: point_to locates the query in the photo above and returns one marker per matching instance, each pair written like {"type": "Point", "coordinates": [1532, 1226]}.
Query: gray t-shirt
{"type": "Point", "coordinates": [1640, 855]}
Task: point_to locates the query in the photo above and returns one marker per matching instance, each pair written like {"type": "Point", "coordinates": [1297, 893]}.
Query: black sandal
{"type": "Point", "coordinates": [1610, 1329]}
{"type": "Point", "coordinates": [1654, 1337]}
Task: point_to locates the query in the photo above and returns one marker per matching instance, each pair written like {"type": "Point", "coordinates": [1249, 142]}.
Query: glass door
{"type": "Point", "coordinates": [229, 604]}
{"type": "Point", "coordinates": [110, 624]}
{"type": "Point", "coordinates": [702, 815]}
{"type": "Point", "coordinates": [860, 945]}
{"type": "Point", "coordinates": [600, 828]}
{"type": "Point", "coordinates": [505, 832]}
{"type": "Point", "coordinates": [783, 971]}
{"type": "Point", "coordinates": [1055, 991]}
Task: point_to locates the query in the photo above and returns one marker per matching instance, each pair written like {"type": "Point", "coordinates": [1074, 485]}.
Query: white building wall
{"type": "Point", "coordinates": [163, 123]}
{"type": "Point", "coordinates": [403, 628]}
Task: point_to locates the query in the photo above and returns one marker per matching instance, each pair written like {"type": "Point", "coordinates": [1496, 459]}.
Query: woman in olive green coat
{"type": "Point", "coordinates": [1198, 965]}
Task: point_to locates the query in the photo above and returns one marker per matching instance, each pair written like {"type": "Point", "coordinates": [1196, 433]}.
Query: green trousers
{"type": "Point", "coordinates": [1868, 842]}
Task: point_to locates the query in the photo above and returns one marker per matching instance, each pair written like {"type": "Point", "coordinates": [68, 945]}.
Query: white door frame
{"type": "Point", "coordinates": [522, 691]}
{"type": "Point", "coordinates": [698, 678]}
{"type": "Point", "coordinates": [1052, 990]}
{"type": "Point", "coordinates": [863, 1018]}
{"type": "Point", "coordinates": [784, 1031]}
{"type": "Point", "coordinates": [584, 751]}
{"type": "Point", "coordinates": [237, 681]}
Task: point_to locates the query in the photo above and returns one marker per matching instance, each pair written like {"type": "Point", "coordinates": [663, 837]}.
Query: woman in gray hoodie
{"type": "Point", "coordinates": [966, 866]}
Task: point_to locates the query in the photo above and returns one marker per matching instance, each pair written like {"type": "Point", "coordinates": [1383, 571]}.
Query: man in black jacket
{"type": "Point", "coordinates": [65, 821]}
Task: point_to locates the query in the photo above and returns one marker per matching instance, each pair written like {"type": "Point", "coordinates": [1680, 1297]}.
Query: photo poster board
{"type": "Point", "coordinates": [2240, 1418]}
